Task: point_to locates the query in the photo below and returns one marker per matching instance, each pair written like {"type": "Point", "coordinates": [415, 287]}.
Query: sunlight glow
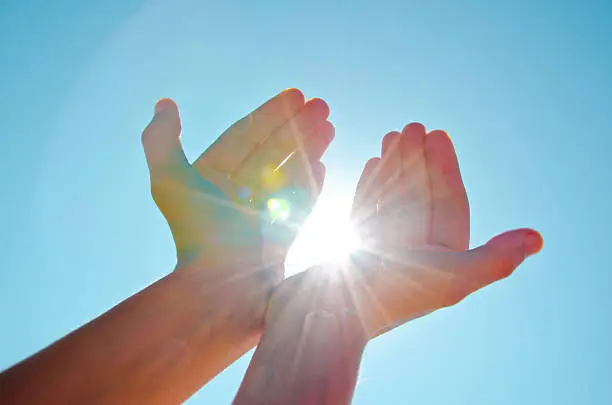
{"type": "Point", "coordinates": [327, 236]}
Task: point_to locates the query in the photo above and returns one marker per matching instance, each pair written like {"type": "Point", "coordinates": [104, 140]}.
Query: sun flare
{"type": "Point", "coordinates": [327, 235]}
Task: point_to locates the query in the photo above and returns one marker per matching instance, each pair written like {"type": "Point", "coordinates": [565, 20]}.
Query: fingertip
{"type": "Point", "coordinates": [160, 138]}
{"type": "Point", "coordinates": [439, 150]}
{"type": "Point", "coordinates": [533, 242]}
{"type": "Point", "coordinates": [319, 107]}
{"type": "Point", "coordinates": [412, 143]}
{"type": "Point", "coordinates": [293, 96]}
{"type": "Point", "coordinates": [414, 128]}
{"type": "Point", "coordinates": [524, 241]}
{"type": "Point", "coordinates": [165, 104]}
{"type": "Point", "coordinates": [439, 133]}
{"type": "Point", "coordinates": [389, 141]}
{"type": "Point", "coordinates": [327, 130]}
{"type": "Point", "coordinates": [371, 164]}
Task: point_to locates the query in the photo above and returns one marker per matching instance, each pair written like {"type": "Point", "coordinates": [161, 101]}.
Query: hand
{"type": "Point", "coordinates": [412, 212]}
{"type": "Point", "coordinates": [216, 207]}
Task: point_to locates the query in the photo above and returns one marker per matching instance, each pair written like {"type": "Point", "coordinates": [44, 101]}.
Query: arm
{"type": "Point", "coordinates": [157, 347]}
{"type": "Point", "coordinates": [163, 344]}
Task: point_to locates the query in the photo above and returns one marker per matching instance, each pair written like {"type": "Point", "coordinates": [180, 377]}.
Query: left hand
{"type": "Point", "coordinates": [216, 207]}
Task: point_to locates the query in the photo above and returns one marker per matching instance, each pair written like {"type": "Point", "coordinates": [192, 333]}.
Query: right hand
{"type": "Point", "coordinates": [412, 213]}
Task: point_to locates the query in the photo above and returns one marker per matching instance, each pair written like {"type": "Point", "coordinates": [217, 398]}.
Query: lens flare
{"type": "Point", "coordinates": [279, 209]}
{"type": "Point", "coordinates": [272, 178]}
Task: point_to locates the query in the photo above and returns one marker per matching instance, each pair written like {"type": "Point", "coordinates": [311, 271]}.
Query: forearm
{"type": "Point", "coordinates": [157, 347]}
{"type": "Point", "coordinates": [316, 364]}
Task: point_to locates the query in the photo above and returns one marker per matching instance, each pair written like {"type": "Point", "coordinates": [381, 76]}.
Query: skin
{"type": "Point", "coordinates": [164, 343]}
{"type": "Point", "coordinates": [412, 211]}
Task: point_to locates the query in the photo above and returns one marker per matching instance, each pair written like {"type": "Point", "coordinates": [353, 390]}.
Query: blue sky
{"type": "Point", "coordinates": [523, 87]}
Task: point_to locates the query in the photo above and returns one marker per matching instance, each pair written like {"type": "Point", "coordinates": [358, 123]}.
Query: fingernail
{"type": "Point", "coordinates": [533, 242]}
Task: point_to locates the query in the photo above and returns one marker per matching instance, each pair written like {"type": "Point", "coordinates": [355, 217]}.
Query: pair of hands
{"type": "Point", "coordinates": [228, 214]}
{"type": "Point", "coordinates": [410, 208]}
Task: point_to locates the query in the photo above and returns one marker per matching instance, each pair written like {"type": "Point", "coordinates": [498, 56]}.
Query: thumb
{"type": "Point", "coordinates": [161, 138]}
{"type": "Point", "coordinates": [499, 257]}
{"type": "Point", "coordinates": [437, 279]}
{"type": "Point", "coordinates": [451, 276]}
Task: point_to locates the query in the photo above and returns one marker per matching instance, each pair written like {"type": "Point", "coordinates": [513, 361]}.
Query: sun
{"type": "Point", "coordinates": [327, 235]}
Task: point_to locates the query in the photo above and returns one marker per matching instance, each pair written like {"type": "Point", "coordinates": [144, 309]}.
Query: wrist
{"type": "Point", "coordinates": [227, 272]}
{"type": "Point", "coordinates": [235, 296]}
{"type": "Point", "coordinates": [320, 294]}
{"type": "Point", "coordinates": [304, 358]}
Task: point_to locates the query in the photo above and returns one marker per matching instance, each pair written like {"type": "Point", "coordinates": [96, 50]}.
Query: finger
{"type": "Point", "coordinates": [299, 167]}
{"type": "Point", "coordinates": [499, 257]}
{"type": "Point", "coordinates": [229, 151]}
{"type": "Point", "coordinates": [365, 202]}
{"type": "Point", "coordinates": [297, 132]}
{"type": "Point", "coordinates": [450, 224]}
{"type": "Point", "coordinates": [305, 176]}
{"type": "Point", "coordinates": [390, 175]}
{"type": "Point", "coordinates": [316, 143]}
{"type": "Point", "coordinates": [364, 216]}
{"type": "Point", "coordinates": [415, 184]}
{"type": "Point", "coordinates": [161, 140]}
{"type": "Point", "coordinates": [424, 281]}
{"type": "Point", "coordinates": [307, 131]}
{"type": "Point", "coordinates": [454, 275]}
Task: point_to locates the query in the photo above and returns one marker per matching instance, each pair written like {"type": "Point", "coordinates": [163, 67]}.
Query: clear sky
{"type": "Point", "coordinates": [523, 87]}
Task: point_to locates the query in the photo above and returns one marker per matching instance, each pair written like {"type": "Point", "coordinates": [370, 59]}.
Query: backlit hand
{"type": "Point", "coordinates": [239, 205]}
{"type": "Point", "coordinates": [412, 213]}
